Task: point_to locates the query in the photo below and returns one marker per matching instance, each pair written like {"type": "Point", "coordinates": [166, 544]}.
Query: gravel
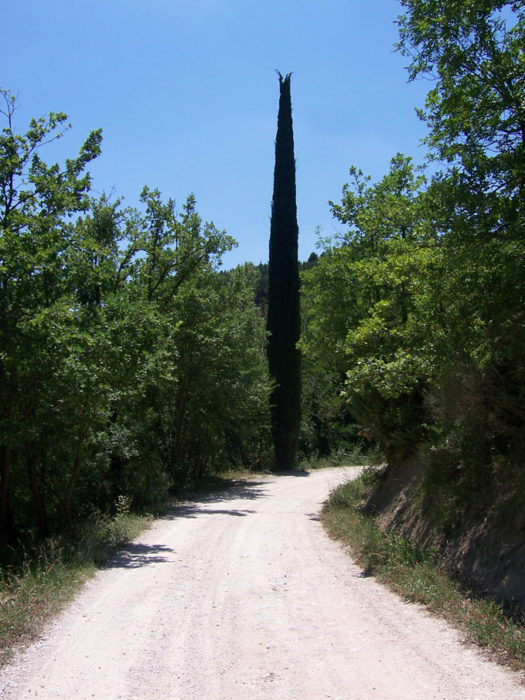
{"type": "Point", "coordinates": [241, 595]}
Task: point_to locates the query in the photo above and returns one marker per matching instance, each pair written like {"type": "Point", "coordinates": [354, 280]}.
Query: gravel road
{"type": "Point", "coordinates": [241, 595]}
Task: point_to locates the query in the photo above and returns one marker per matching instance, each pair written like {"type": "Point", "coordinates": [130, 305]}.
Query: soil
{"type": "Point", "coordinates": [241, 595]}
{"type": "Point", "coordinates": [485, 552]}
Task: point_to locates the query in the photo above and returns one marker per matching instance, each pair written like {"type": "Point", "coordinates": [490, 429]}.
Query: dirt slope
{"type": "Point", "coordinates": [242, 595]}
{"type": "Point", "coordinates": [484, 549]}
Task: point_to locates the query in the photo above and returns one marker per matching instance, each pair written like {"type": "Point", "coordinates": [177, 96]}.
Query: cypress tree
{"type": "Point", "coordinates": [283, 291]}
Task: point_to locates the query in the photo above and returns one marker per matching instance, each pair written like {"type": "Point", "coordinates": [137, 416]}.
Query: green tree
{"type": "Point", "coordinates": [362, 302]}
{"type": "Point", "coordinates": [473, 52]}
{"type": "Point", "coordinates": [283, 291]}
{"type": "Point", "coordinates": [36, 204]}
{"type": "Point", "coordinates": [128, 363]}
{"type": "Point", "coordinates": [204, 386]}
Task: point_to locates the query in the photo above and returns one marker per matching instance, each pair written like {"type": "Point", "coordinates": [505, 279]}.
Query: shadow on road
{"type": "Point", "coordinates": [135, 555]}
{"type": "Point", "coordinates": [313, 516]}
{"type": "Point", "coordinates": [296, 472]}
{"type": "Point", "coordinates": [191, 510]}
{"type": "Point", "coordinates": [234, 491]}
{"type": "Point", "coordinates": [240, 490]}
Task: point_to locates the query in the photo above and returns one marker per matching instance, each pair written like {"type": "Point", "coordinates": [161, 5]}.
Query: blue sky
{"type": "Point", "coordinates": [186, 94]}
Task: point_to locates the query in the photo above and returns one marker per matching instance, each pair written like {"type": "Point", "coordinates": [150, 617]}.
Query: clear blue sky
{"type": "Point", "coordinates": [186, 94]}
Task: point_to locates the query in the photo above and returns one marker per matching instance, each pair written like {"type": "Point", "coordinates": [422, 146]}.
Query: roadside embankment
{"type": "Point", "coordinates": [481, 540]}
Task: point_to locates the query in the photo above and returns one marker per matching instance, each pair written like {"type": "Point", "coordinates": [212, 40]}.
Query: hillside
{"type": "Point", "coordinates": [482, 538]}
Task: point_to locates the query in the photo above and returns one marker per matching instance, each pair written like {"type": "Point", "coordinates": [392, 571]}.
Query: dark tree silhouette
{"type": "Point", "coordinates": [283, 291]}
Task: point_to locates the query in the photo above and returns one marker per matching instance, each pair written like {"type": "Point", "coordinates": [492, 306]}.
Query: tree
{"type": "Point", "coordinates": [362, 300]}
{"type": "Point", "coordinates": [128, 363]}
{"type": "Point", "coordinates": [475, 111]}
{"type": "Point", "coordinates": [37, 203]}
{"type": "Point", "coordinates": [473, 52]}
{"type": "Point", "coordinates": [283, 322]}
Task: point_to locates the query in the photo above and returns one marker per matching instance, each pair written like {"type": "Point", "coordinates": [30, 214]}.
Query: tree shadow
{"type": "Point", "coordinates": [135, 555]}
{"type": "Point", "coordinates": [231, 491]}
{"type": "Point", "coordinates": [192, 510]}
{"type": "Point", "coordinates": [314, 516]}
{"type": "Point", "coordinates": [292, 472]}
{"type": "Point", "coordinates": [239, 490]}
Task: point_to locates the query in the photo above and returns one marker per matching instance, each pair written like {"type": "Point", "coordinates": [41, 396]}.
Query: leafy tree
{"type": "Point", "coordinates": [476, 116]}
{"type": "Point", "coordinates": [219, 414]}
{"type": "Point", "coordinates": [283, 291]}
{"type": "Point", "coordinates": [421, 303]}
{"type": "Point", "coordinates": [362, 304]}
{"type": "Point", "coordinates": [473, 51]}
{"type": "Point", "coordinates": [218, 375]}
{"type": "Point", "coordinates": [127, 362]}
{"type": "Point", "coordinates": [36, 202]}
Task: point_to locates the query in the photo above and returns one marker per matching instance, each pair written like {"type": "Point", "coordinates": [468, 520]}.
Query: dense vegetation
{"type": "Point", "coordinates": [416, 310]}
{"type": "Point", "coordinates": [130, 363]}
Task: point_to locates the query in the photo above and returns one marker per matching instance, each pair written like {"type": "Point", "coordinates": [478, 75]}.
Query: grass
{"type": "Point", "coordinates": [420, 576]}
{"type": "Point", "coordinates": [350, 456]}
{"type": "Point", "coordinates": [44, 578]}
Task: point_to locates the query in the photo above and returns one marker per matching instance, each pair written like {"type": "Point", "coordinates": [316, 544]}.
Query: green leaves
{"type": "Point", "coordinates": [421, 305]}
{"type": "Point", "coordinates": [476, 111]}
{"type": "Point", "coordinates": [363, 299]}
{"type": "Point", "coordinates": [126, 359]}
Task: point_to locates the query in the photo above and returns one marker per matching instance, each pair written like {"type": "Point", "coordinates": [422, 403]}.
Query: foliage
{"type": "Point", "coordinates": [283, 321]}
{"type": "Point", "coordinates": [419, 302]}
{"type": "Point", "coordinates": [39, 329]}
{"type": "Point", "coordinates": [362, 298]}
{"type": "Point", "coordinates": [475, 111]}
{"type": "Point", "coordinates": [476, 120]}
{"type": "Point", "coordinates": [128, 363]}
{"type": "Point", "coordinates": [417, 575]}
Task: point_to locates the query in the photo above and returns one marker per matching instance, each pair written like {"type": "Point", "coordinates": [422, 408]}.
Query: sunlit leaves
{"type": "Point", "coordinates": [473, 51]}
{"type": "Point", "coordinates": [127, 360]}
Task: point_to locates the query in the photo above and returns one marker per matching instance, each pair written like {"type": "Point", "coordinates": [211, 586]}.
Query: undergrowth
{"type": "Point", "coordinates": [40, 579]}
{"type": "Point", "coordinates": [420, 576]}
{"type": "Point", "coordinates": [354, 455]}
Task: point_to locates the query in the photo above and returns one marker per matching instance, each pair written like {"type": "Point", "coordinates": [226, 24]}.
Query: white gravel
{"type": "Point", "coordinates": [242, 596]}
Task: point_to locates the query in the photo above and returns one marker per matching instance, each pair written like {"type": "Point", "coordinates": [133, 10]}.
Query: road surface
{"type": "Point", "coordinates": [241, 595]}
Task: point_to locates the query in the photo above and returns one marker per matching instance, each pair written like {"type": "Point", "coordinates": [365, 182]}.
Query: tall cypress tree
{"type": "Point", "coordinates": [283, 291]}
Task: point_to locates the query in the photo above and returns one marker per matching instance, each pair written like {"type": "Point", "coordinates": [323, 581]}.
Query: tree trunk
{"type": "Point", "coordinates": [41, 514]}
{"type": "Point", "coordinates": [177, 431]}
{"type": "Point", "coordinates": [7, 521]}
{"type": "Point", "coordinates": [66, 501]}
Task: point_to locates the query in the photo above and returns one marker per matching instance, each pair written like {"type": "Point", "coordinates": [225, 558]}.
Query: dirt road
{"type": "Point", "coordinates": [242, 596]}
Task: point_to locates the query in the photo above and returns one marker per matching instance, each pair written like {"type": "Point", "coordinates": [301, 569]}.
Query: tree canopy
{"type": "Point", "coordinates": [128, 363]}
{"type": "Point", "coordinates": [131, 363]}
{"type": "Point", "coordinates": [419, 301]}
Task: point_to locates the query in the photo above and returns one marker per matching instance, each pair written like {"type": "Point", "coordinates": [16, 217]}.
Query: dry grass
{"type": "Point", "coordinates": [420, 577]}
{"type": "Point", "coordinates": [42, 580]}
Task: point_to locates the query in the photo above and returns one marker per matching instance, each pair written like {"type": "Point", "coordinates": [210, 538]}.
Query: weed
{"type": "Point", "coordinates": [420, 576]}
{"type": "Point", "coordinates": [355, 455]}
{"type": "Point", "coordinates": [46, 577]}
